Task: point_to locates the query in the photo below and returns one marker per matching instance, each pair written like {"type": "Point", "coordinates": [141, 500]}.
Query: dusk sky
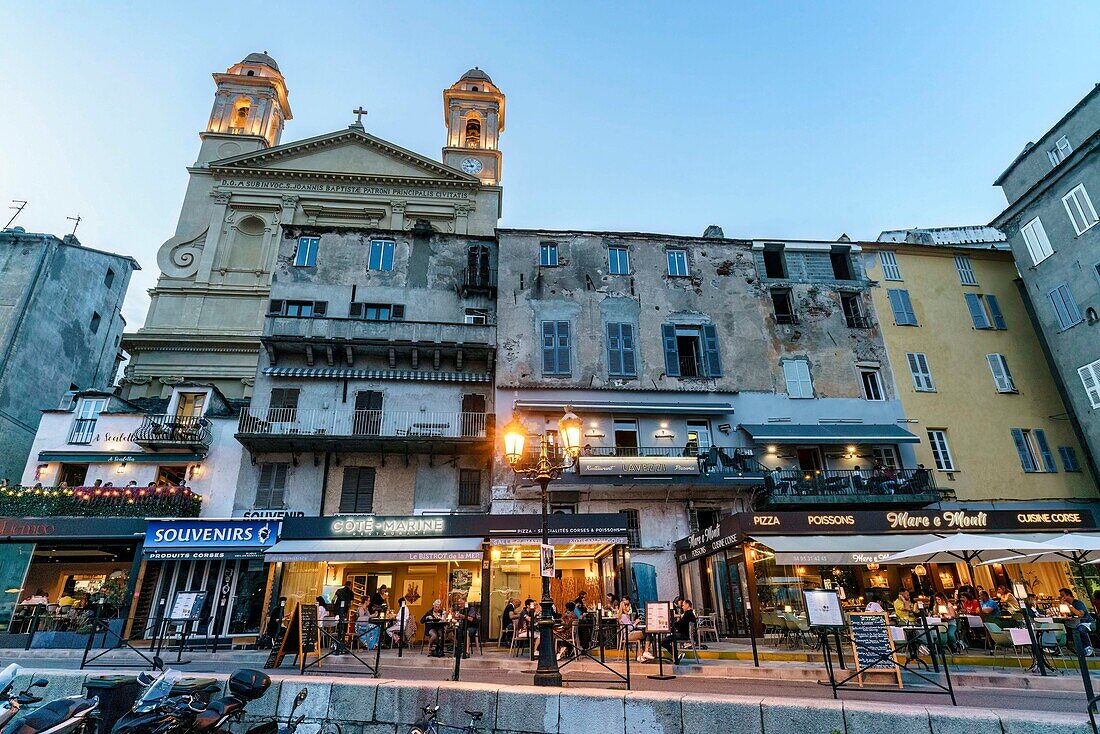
{"type": "Point", "coordinates": [799, 120]}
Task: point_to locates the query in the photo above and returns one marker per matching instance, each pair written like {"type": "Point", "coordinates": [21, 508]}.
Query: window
{"type": "Point", "coordinates": [886, 456]}
{"type": "Point", "coordinates": [985, 311]}
{"type": "Point", "coordinates": [109, 278]}
{"type": "Point", "coordinates": [94, 325]}
{"type": "Point", "coordinates": [1090, 378]}
{"type": "Point", "coordinates": [890, 269]}
{"type": "Point", "coordinates": [357, 491]}
{"type": "Point", "coordinates": [1002, 378]}
{"type": "Point", "coordinates": [796, 372]}
{"type": "Point", "coordinates": [872, 385]}
{"type": "Point", "coordinates": [191, 405]}
{"type": "Point", "coordinates": [842, 264]}
{"type": "Point", "coordinates": [941, 453]}
{"type": "Point", "coordinates": [1080, 210]}
{"type": "Point", "coordinates": [699, 432]}
{"type": "Point", "coordinates": [1060, 151]}
{"type": "Point", "coordinates": [87, 412]}
{"type": "Point", "coordinates": [852, 305]}
{"type": "Point", "coordinates": [691, 350]}
{"type": "Point", "coordinates": [301, 309]}
{"type": "Point", "coordinates": [904, 315]}
{"type": "Point", "coordinates": [633, 529]}
{"type": "Point", "coordinates": [918, 368]}
{"type": "Point", "coordinates": [555, 348]}
{"type": "Point", "coordinates": [271, 488]}
{"type": "Point", "coordinates": [1035, 237]}
{"type": "Point", "coordinates": [1069, 458]}
{"type": "Point", "coordinates": [1065, 308]}
{"type": "Point", "coordinates": [700, 518]}
{"type": "Point", "coordinates": [548, 254]}
{"type": "Point", "coordinates": [784, 308]}
{"type": "Point", "coordinates": [469, 487]}
{"type": "Point", "coordinates": [621, 361]}
{"type": "Point", "coordinates": [625, 433]}
{"type": "Point", "coordinates": [965, 270]}
{"type": "Point", "coordinates": [381, 255]}
{"type": "Point", "coordinates": [476, 316]}
{"type": "Point", "coordinates": [377, 311]}
{"type": "Point", "coordinates": [618, 261]}
{"type": "Point", "coordinates": [305, 255]}
{"type": "Point", "coordinates": [775, 263]}
{"type": "Point", "coordinates": [677, 262]}
{"type": "Point", "coordinates": [1032, 447]}
{"type": "Point", "coordinates": [284, 404]}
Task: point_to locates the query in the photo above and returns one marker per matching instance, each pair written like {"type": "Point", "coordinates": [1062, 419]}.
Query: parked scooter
{"type": "Point", "coordinates": [157, 711]}
{"type": "Point", "coordinates": [10, 703]}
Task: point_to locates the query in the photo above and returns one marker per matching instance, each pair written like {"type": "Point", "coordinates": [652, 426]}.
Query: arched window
{"type": "Point", "coordinates": [239, 122]}
{"type": "Point", "coordinates": [473, 133]}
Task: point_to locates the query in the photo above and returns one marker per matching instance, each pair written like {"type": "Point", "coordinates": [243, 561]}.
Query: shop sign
{"type": "Point", "coordinates": [267, 514]}
{"type": "Point", "coordinates": [618, 466]}
{"type": "Point", "coordinates": [584, 527]}
{"type": "Point", "coordinates": [209, 539]}
{"type": "Point", "coordinates": [55, 528]}
{"type": "Point", "coordinates": [915, 521]}
{"type": "Point", "coordinates": [370, 526]}
{"type": "Point", "coordinates": [547, 565]}
{"type": "Point", "coordinates": [830, 558]}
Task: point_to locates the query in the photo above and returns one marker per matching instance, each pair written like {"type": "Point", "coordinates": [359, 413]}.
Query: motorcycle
{"type": "Point", "coordinates": [71, 715]}
{"type": "Point", "coordinates": [272, 726]}
{"type": "Point", "coordinates": [10, 703]}
{"type": "Point", "coordinates": [157, 711]}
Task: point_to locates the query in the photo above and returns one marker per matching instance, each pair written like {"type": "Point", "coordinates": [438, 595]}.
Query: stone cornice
{"type": "Point", "coordinates": [363, 178]}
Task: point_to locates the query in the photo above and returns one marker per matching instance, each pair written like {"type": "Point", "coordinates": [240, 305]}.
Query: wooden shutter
{"type": "Point", "coordinates": [1069, 458]}
{"type": "Point", "coordinates": [672, 354]}
{"type": "Point", "coordinates": [275, 306]}
{"type": "Point", "coordinates": [1044, 450]}
{"type": "Point", "coordinates": [977, 311]}
{"type": "Point", "coordinates": [549, 351]}
{"type": "Point", "coordinates": [563, 347]}
{"type": "Point", "coordinates": [271, 489]}
{"type": "Point", "coordinates": [995, 312]}
{"type": "Point", "coordinates": [357, 492]}
{"type": "Point", "coordinates": [397, 312]}
{"type": "Point", "coordinates": [1090, 378]}
{"type": "Point", "coordinates": [712, 358]}
{"type": "Point", "coordinates": [630, 365]}
{"type": "Point", "coordinates": [1001, 377]}
{"type": "Point", "coordinates": [319, 308]}
{"type": "Point", "coordinates": [1023, 450]}
{"type": "Point", "coordinates": [614, 349]}
{"type": "Point", "coordinates": [356, 311]}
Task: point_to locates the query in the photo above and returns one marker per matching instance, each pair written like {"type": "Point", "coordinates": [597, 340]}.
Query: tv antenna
{"type": "Point", "coordinates": [18, 210]}
{"type": "Point", "coordinates": [75, 219]}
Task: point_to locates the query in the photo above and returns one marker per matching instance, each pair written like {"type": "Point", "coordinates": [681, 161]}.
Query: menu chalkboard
{"type": "Point", "coordinates": [872, 645]}
{"type": "Point", "coordinates": [301, 632]}
{"type": "Point", "coordinates": [307, 631]}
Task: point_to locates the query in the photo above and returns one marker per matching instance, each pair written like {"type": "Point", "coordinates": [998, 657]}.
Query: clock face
{"type": "Point", "coordinates": [471, 166]}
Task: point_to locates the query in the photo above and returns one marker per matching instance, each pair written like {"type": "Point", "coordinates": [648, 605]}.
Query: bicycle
{"type": "Point", "coordinates": [429, 724]}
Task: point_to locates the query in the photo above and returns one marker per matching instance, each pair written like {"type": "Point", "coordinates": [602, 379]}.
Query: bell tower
{"type": "Point", "coordinates": [250, 109]}
{"type": "Point", "coordinates": [473, 109]}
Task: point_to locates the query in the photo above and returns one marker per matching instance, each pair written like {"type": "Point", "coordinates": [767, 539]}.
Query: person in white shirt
{"type": "Point", "coordinates": [873, 605]}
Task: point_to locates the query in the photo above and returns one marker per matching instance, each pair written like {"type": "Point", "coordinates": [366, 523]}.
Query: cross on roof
{"type": "Point", "coordinates": [359, 115]}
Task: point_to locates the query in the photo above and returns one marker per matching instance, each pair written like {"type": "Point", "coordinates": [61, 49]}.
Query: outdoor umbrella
{"type": "Point", "coordinates": [1072, 547]}
{"type": "Point", "coordinates": [967, 548]}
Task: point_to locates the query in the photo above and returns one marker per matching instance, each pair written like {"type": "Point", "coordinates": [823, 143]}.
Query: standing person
{"type": "Point", "coordinates": [342, 602]}
{"type": "Point", "coordinates": [681, 628]}
{"type": "Point", "coordinates": [1078, 613]}
{"type": "Point", "coordinates": [508, 620]}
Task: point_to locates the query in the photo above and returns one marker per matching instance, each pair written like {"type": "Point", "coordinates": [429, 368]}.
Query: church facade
{"type": "Point", "coordinates": [248, 190]}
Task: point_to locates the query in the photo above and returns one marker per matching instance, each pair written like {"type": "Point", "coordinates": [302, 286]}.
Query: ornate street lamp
{"type": "Point", "coordinates": [544, 470]}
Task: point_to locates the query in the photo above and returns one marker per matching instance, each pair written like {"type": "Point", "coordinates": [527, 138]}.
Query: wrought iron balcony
{"type": "Point", "coordinates": [659, 465]}
{"type": "Point", "coordinates": [796, 487]}
{"type": "Point", "coordinates": [387, 333]}
{"type": "Point", "coordinates": [82, 431]}
{"type": "Point", "coordinates": [173, 432]}
{"type": "Point", "coordinates": [162, 501]}
{"type": "Point", "coordinates": [479, 280]}
{"type": "Point", "coordinates": [362, 429]}
{"type": "Point", "coordinates": [858, 322]}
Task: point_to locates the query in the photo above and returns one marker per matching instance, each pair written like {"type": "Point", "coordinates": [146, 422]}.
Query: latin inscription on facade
{"type": "Point", "coordinates": [324, 188]}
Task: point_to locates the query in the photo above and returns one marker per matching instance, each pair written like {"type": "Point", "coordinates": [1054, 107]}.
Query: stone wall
{"type": "Point", "coordinates": [368, 706]}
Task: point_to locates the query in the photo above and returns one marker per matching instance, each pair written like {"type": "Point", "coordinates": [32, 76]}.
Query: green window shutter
{"type": "Point", "coordinates": [672, 354]}
{"type": "Point", "coordinates": [1044, 450]}
{"type": "Point", "coordinates": [614, 349]}
{"type": "Point", "coordinates": [357, 492]}
{"type": "Point", "coordinates": [549, 348]}
{"type": "Point", "coordinates": [1023, 451]}
{"type": "Point", "coordinates": [995, 312]}
{"type": "Point", "coordinates": [713, 356]}
{"type": "Point", "coordinates": [630, 364]}
{"type": "Point", "coordinates": [563, 348]}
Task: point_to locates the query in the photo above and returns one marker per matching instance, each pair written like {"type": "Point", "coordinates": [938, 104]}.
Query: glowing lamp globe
{"type": "Point", "coordinates": [569, 428]}
{"type": "Point", "coordinates": [515, 433]}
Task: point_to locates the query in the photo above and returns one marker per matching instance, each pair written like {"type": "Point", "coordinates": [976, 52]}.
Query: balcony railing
{"type": "Point", "coordinates": [82, 431]}
{"type": "Point", "coordinates": [162, 501]}
{"type": "Point", "coordinates": [716, 462]}
{"type": "Point", "coordinates": [166, 431]}
{"type": "Point", "coordinates": [842, 485]}
{"type": "Point", "coordinates": [479, 280]}
{"type": "Point", "coordinates": [858, 322]}
{"type": "Point", "coordinates": [362, 423]}
{"type": "Point", "coordinates": [405, 332]}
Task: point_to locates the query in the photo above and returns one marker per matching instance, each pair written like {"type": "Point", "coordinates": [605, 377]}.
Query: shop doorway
{"type": "Point", "coordinates": [72, 475]}
{"type": "Point", "coordinates": [235, 590]}
{"type": "Point", "coordinates": [473, 415]}
{"type": "Point", "coordinates": [368, 413]}
{"type": "Point", "coordinates": [626, 437]}
{"type": "Point", "coordinates": [809, 459]}
{"type": "Point", "coordinates": [173, 475]}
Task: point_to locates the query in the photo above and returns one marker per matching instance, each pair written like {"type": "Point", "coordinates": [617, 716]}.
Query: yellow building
{"type": "Point", "coordinates": [969, 369]}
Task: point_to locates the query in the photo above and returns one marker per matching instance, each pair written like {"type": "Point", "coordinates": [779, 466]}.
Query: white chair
{"type": "Point", "coordinates": [708, 627]}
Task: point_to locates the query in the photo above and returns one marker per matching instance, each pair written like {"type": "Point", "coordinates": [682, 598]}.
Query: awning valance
{"type": "Point", "coordinates": [91, 457]}
{"type": "Point", "coordinates": [817, 550]}
{"type": "Point", "coordinates": [411, 375]}
{"type": "Point", "coordinates": [626, 406]}
{"type": "Point", "coordinates": [382, 549]}
{"type": "Point", "coordinates": [840, 433]}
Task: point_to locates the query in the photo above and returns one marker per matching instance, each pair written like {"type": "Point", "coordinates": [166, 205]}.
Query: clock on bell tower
{"type": "Point", "coordinates": [473, 109]}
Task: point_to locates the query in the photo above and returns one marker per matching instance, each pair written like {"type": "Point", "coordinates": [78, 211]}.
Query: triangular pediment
{"type": "Point", "coordinates": [349, 152]}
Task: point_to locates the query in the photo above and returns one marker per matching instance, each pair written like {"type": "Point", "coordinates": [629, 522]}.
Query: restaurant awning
{"type": "Point", "coordinates": [818, 550]}
{"type": "Point", "coordinates": [381, 549]}
{"type": "Point", "coordinates": [840, 433]}
{"type": "Point", "coordinates": [93, 457]}
{"type": "Point", "coordinates": [616, 406]}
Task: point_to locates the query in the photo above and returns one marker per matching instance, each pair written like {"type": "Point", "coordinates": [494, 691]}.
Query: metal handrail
{"type": "Point", "coordinates": [173, 429]}
{"type": "Point", "coordinates": [413, 424]}
{"type": "Point", "coordinates": [82, 431]}
{"type": "Point", "coordinates": [799, 482]}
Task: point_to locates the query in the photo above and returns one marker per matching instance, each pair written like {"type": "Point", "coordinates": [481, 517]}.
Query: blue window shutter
{"type": "Point", "coordinates": [630, 366]}
{"type": "Point", "coordinates": [1044, 450]}
{"type": "Point", "coordinates": [672, 354]}
{"type": "Point", "coordinates": [614, 349]}
{"type": "Point", "coordinates": [995, 312]}
{"type": "Point", "coordinates": [563, 348]}
{"type": "Point", "coordinates": [710, 346]}
{"type": "Point", "coordinates": [1021, 449]}
{"type": "Point", "coordinates": [549, 352]}
{"type": "Point", "coordinates": [1069, 458]}
{"type": "Point", "coordinates": [977, 313]}
{"type": "Point", "coordinates": [910, 314]}
{"type": "Point", "coordinates": [895, 305]}
{"type": "Point", "coordinates": [1071, 305]}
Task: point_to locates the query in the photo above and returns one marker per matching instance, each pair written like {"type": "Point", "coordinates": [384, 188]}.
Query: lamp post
{"type": "Point", "coordinates": [544, 470]}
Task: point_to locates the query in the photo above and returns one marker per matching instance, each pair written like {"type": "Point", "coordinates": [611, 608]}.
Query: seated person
{"type": "Point", "coordinates": [969, 604]}
{"type": "Point", "coordinates": [1081, 621]}
{"type": "Point", "coordinates": [325, 616]}
{"type": "Point", "coordinates": [527, 623]}
{"type": "Point", "coordinates": [434, 625]}
{"type": "Point", "coordinates": [368, 633]}
{"type": "Point", "coordinates": [403, 630]}
{"type": "Point", "coordinates": [681, 628]}
{"type": "Point", "coordinates": [633, 631]}
{"type": "Point", "coordinates": [903, 607]}
{"type": "Point", "coordinates": [471, 614]}
{"type": "Point", "coordinates": [988, 605]}
{"type": "Point", "coordinates": [508, 619]}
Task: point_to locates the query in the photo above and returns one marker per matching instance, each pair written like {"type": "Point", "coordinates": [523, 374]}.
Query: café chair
{"type": "Point", "coordinates": [708, 626]}
{"type": "Point", "coordinates": [1002, 640]}
{"type": "Point", "coordinates": [519, 641]}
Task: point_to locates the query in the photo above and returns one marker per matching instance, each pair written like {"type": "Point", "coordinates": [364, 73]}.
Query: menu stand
{"type": "Point", "coordinates": [661, 660]}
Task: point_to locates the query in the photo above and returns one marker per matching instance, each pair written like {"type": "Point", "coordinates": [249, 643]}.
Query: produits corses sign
{"type": "Point", "coordinates": [209, 539]}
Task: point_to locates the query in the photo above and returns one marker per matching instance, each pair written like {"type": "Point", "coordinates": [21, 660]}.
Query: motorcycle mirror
{"type": "Point", "coordinates": [301, 697]}
{"type": "Point", "coordinates": [158, 664]}
{"type": "Point", "coordinates": [40, 683]}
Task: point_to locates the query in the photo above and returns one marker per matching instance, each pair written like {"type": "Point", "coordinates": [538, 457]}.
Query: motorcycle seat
{"type": "Point", "coordinates": [52, 714]}
{"type": "Point", "coordinates": [216, 710]}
